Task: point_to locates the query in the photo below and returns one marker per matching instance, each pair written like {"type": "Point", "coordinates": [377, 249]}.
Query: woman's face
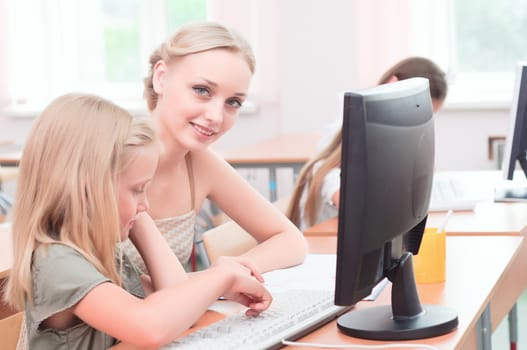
{"type": "Point", "coordinates": [131, 188]}
{"type": "Point", "coordinates": [200, 96]}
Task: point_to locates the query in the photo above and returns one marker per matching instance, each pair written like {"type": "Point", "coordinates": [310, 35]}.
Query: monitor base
{"type": "Point", "coordinates": [377, 323]}
{"type": "Point", "coordinates": [510, 194]}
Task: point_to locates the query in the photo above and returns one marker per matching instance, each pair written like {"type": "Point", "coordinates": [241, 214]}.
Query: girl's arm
{"type": "Point", "coordinates": [162, 264]}
{"type": "Point", "coordinates": [281, 244]}
{"type": "Point", "coordinates": [336, 198]}
{"type": "Point", "coordinates": [165, 314]}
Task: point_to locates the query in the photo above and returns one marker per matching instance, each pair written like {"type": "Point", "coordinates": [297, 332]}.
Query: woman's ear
{"type": "Point", "coordinates": [158, 76]}
{"type": "Point", "coordinates": [393, 79]}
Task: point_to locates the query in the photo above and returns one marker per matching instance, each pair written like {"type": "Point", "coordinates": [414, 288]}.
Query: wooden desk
{"type": "Point", "coordinates": [10, 152]}
{"type": "Point", "coordinates": [8, 173]}
{"type": "Point", "coordinates": [470, 285]}
{"type": "Point", "coordinates": [6, 250]}
{"type": "Point", "coordinates": [10, 158]}
{"type": "Point", "coordinates": [487, 218]}
{"type": "Point", "coordinates": [468, 289]}
{"type": "Point", "coordinates": [6, 261]}
{"type": "Point", "coordinates": [6, 142]}
{"type": "Point", "coordinates": [289, 151]}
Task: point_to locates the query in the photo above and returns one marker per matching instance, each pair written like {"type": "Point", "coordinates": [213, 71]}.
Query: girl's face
{"type": "Point", "coordinates": [200, 96]}
{"type": "Point", "coordinates": [132, 183]}
{"type": "Point", "coordinates": [436, 105]}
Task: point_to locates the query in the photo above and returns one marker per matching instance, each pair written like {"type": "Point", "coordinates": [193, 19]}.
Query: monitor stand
{"type": "Point", "coordinates": [405, 318]}
{"type": "Point", "coordinates": [512, 193]}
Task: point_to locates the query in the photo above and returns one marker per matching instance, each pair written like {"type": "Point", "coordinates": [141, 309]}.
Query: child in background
{"type": "Point", "coordinates": [198, 81]}
{"type": "Point", "coordinates": [316, 194]}
{"type": "Point", "coordinates": [81, 190]}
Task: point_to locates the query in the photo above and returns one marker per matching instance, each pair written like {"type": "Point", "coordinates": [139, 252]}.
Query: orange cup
{"type": "Point", "coordinates": [430, 262]}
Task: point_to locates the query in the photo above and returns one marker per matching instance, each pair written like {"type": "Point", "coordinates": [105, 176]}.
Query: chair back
{"type": "Point", "coordinates": [10, 331]}
{"type": "Point", "coordinates": [229, 239]}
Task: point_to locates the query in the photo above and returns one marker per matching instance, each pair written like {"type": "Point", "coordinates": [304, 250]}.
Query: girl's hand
{"type": "Point", "coordinates": [244, 266]}
{"type": "Point", "coordinates": [246, 290]}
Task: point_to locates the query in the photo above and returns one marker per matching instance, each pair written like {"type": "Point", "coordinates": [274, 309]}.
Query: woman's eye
{"type": "Point", "coordinates": [235, 103]}
{"type": "Point", "coordinates": [200, 90]}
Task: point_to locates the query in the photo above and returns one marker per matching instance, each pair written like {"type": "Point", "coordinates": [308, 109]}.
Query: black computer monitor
{"type": "Point", "coordinates": [516, 141]}
{"type": "Point", "coordinates": [387, 169]}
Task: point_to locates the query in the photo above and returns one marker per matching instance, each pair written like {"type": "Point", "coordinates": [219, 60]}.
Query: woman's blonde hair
{"type": "Point", "coordinates": [325, 161]}
{"type": "Point", "coordinates": [66, 190]}
{"type": "Point", "coordinates": [193, 38]}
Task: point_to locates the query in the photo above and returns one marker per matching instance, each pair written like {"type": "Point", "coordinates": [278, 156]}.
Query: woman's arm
{"type": "Point", "coordinates": [281, 244]}
{"type": "Point", "coordinates": [165, 314]}
{"type": "Point", "coordinates": [163, 266]}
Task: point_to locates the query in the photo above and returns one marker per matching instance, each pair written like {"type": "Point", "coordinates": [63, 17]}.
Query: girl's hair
{"type": "Point", "coordinates": [327, 159]}
{"type": "Point", "coordinates": [416, 66]}
{"type": "Point", "coordinates": [66, 190]}
{"type": "Point", "coordinates": [193, 38]}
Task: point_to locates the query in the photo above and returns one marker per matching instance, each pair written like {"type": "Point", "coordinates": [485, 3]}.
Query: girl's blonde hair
{"type": "Point", "coordinates": [326, 160]}
{"type": "Point", "coordinates": [66, 190]}
{"type": "Point", "coordinates": [193, 38]}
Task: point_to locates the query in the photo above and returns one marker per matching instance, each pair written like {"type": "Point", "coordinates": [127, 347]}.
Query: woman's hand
{"type": "Point", "coordinates": [243, 264]}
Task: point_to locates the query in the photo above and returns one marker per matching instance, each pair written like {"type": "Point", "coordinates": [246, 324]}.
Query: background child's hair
{"type": "Point", "coordinates": [66, 189]}
{"type": "Point", "coordinates": [193, 38]}
{"type": "Point", "coordinates": [423, 67]}
{"type": "Point", "coordinates": [329, 158]}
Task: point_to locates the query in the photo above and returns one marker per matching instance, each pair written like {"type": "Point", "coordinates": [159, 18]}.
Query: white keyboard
{"type": "Point", "coordinates": [292, 314]}
{"type": "Point", "coordinates": [458, 194]}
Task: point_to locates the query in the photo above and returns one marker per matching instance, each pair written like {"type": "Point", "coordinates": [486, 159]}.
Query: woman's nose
{"type": "Point", "coordinates": [214, 112]}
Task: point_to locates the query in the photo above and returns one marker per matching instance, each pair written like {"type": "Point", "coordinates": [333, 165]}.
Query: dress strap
{"type": "Point", "coordinates": [188, 162]}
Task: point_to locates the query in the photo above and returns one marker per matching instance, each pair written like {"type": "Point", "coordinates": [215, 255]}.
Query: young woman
{"type": "Point", "coordinates": [198, 81]}
{"type": "Point", "coordinates": [316, 194]}
{"type": "Point", "coordinates": [76, 199]}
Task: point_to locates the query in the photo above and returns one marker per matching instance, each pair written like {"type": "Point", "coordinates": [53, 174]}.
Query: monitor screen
{"type": "Point", "coordinates": [387, 169]}
{"type": "Point", "coordinates": [516, 140]}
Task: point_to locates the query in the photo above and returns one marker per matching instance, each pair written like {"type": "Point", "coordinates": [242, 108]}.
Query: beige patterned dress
{"type": "Point", "coordinates": [178, 231]}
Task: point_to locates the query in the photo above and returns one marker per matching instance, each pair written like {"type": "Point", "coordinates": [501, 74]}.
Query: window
{"type": "Point", "coordinates": [98, 46]}
{"type": "Point", "coordinates": [477, 41]}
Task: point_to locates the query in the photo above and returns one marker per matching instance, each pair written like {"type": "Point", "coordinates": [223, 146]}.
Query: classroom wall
{"type": "Point", "coordinates": [307, 52]}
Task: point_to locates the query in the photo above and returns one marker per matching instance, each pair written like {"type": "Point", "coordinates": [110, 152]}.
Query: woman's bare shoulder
{"type": "Point", "coordinates": [207, 159]}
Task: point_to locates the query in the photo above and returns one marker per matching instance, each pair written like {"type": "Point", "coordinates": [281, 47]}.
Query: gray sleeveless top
{"type": "Point", "coordinates": [178, 231]}
{"type": "Point", "coordinates": [61, 277]}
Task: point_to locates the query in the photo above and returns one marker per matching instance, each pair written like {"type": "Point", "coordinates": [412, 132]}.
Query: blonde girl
{"type": "Point", "coordinates": [81, 189]}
